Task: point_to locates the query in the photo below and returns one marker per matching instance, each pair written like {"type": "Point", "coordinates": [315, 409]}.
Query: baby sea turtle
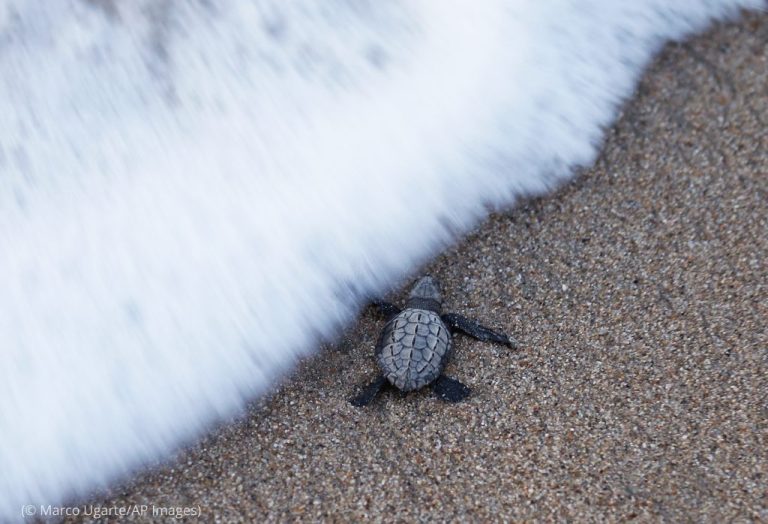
{"type": "Point", "coordinates": [416, 343]}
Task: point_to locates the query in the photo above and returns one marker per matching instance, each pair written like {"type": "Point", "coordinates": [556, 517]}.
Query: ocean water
{"type": "Point", "coordinates": [193, 194]}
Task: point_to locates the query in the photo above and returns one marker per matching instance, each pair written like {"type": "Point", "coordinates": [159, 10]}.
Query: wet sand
{"type": "Point", "coordinates": [640, 390]}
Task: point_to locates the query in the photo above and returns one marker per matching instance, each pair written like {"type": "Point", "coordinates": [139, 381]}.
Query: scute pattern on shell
{"type": "Point", "coordinates": [413, 348]}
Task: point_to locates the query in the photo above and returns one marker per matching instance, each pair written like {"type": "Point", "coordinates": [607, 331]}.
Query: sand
{"type": "Point", "coordinates": [640, 390]}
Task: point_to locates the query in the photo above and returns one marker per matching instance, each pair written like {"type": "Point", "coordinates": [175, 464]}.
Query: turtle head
{"type": "Point", "coordinates": [426, 295]}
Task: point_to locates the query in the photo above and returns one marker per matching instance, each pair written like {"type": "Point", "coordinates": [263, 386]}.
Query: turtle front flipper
{"type": "Point", "coordinates": [387, 309]}
{"type": "Point", "coordinates": [456, 322]}
{"type": "Point", "coordinates": [369, 392]}
{"type": "Point", "coordinates": [449, 389]}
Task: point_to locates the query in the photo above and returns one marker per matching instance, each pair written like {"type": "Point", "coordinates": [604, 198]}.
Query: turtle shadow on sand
{"type": "Point", "coordinates": [416, 343]}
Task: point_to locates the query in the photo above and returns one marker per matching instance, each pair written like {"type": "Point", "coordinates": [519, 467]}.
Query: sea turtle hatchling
{"type": "Point", "coordinates": [416, 343]}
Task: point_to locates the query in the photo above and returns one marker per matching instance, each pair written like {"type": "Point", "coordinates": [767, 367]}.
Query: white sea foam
{"type": "Point", "coordinates": [192, 193]}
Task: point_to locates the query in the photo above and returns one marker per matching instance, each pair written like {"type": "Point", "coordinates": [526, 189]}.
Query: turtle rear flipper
{"type": "Point", "coordinates": [369, 392]}
{"type": "Point", "coordinates": [449, 389]}
{"type": "Point", "coordinates": [456, 322]}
